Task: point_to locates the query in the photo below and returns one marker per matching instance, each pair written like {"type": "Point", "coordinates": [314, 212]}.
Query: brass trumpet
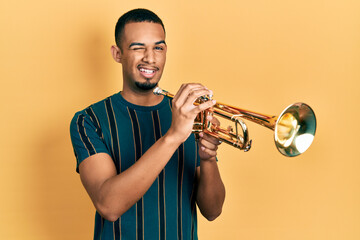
{"type": "Point", "coordinates": [294, 129]}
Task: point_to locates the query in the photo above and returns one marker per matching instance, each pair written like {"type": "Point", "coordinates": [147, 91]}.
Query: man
{"type": "Point", "coordinates": [135, 153]}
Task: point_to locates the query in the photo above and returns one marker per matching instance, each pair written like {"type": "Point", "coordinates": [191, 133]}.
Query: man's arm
{"type": "Point", "coordinates": [112, 194]}
{"type": "Point", "coordinates": [210, 188]}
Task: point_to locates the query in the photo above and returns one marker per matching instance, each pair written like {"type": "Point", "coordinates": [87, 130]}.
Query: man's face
{"type": "Point", "coordinates": [143, 54]}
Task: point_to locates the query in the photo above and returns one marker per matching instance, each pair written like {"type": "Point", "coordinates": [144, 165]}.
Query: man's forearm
{"type": "Point", "coordinates": [211, 190]}
{"type": "Point", "coordinates": [118, 193]}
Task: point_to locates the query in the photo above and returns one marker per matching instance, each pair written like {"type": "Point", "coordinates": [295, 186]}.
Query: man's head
{"type": "Point", "coordinates": [140, 48]}
{"type": "Point", "coordinates": [136, 15]}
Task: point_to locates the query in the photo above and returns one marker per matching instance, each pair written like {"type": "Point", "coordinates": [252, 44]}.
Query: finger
{"type": "Point", "coordinates": [208, 144]}
{"type": "Point", "coordinates": [213, 120]}
{"type": "Point", "coordinates": [184, 92]}
{"type": "Point", "coordinates": [203, 106]}
{"type": "Point", "coordinates": [211, 153]}
{"type": "Point", "coordinates": [179, 92]}
{"type": "Point", "coordinates": [191, 91]}
{"type": "Point", "coordinates": [209, 138]}
{"type": "Point", "coordinates": [195, 94]}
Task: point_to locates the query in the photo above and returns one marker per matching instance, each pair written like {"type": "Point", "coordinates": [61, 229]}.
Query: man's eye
{"type": "Point", "coordinates": [139, 48]}
{"type": "Point", "coordinates": [159, 48]}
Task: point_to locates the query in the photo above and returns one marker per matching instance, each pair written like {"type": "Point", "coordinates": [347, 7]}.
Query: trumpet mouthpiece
{"type": "Point", "coordinates": [157, 91]}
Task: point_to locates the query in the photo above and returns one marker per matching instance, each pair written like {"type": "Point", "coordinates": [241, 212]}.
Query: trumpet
{"type": "Point", "coordinates": [294, 129]}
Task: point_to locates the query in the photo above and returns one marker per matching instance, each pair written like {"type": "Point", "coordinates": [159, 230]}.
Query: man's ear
{"type": "Point", "coordinates": [116, 53]}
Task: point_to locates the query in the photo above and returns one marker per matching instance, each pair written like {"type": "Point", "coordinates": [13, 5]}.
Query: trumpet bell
{"type": "Point", "coordinates": [295, 129]}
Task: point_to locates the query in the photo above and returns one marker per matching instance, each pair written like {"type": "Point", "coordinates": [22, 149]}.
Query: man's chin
{"type": "Point", "coordinates": [146, 85]}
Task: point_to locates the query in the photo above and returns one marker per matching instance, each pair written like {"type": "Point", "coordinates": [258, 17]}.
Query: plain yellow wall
{"type": "Point", "coordinates": [259, 55]}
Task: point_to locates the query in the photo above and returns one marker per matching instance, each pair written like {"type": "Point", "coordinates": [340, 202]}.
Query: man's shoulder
{"type": "Point", "coordinates": [94, 109]}
{"type": "Point", "coordinates": [97, 105]}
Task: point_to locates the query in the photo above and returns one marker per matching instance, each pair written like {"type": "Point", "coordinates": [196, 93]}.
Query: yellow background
{"type": "Point", "coordinates": [259, 55]}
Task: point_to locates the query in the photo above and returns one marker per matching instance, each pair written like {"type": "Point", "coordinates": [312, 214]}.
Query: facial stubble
{"type": "Point", "coordinates": [146, 85]}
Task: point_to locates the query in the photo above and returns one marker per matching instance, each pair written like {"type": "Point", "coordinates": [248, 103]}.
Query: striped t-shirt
{"type": "Point", "coordinates": [125, 131]}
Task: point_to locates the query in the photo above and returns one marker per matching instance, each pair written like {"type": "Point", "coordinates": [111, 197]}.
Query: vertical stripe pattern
{"type": "Point", "coordinates": [138, 153]}
{"type": "Point", "coordinates": [81, 129]}
{"type": "Point", "coordinates": [95, 120]}
{"type": "Point", "coordinates": [125, 131]}
{"type": "Point", "coordinates": [162, 220]}
{"type": "Point", "coordinates": [116, 155]}
{"type": "Point", "coordinates": [179, 189]}
{"type": "Point", "coordinates": [193, 197]}
{"type": "Point", "coordinates": [114, 134]}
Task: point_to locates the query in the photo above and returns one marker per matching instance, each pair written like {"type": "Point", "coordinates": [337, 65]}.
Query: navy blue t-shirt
{"type": "Point", "coordinates": [126, 131]}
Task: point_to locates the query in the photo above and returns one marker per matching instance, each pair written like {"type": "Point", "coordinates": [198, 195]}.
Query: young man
{"type": "Point", "coordinates": [136, 155]}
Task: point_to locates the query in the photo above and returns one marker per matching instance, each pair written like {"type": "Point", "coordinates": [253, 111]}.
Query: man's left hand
{"type": "Point", "coordinates": [208, 144]}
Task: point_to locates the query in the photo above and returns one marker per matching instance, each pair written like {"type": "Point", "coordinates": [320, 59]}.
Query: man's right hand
{"type": "Point", "coordinates": [184, 111]}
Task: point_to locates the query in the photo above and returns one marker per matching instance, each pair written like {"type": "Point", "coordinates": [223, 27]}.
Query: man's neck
{"type": "Point", "coordinates": [141, 98]}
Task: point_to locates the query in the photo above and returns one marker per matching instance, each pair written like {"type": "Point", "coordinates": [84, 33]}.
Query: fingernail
{"type": "Point", "coordinates": [203, 148]}
{"type": "Point", "coordinates": [214, 101]}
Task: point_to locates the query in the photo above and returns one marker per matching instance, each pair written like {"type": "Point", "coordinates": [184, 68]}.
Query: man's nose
{"type": "Point", "coordinates": [149, 56]}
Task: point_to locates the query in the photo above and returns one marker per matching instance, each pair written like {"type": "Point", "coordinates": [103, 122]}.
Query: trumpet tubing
{"type": "Point", "coordinates": [294, 129]}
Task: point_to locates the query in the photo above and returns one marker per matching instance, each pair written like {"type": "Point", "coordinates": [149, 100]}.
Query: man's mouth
{"type": "Point", "coordinates": [148, 72]}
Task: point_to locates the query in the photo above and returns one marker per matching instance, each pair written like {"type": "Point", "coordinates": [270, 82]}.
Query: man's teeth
{"type": "Point", "coordinates": [146, 70]}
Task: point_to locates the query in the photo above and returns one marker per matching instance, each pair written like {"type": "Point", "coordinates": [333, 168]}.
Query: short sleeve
{"type": "Point", "coordinates": [85, 138]}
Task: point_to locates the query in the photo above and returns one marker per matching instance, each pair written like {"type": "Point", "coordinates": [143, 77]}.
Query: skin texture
{"type": "Point", "coordinates": [143, 47]}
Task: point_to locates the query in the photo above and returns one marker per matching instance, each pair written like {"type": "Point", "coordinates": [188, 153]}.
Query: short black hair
{"type": "Point", "coordinates": [135, 15]}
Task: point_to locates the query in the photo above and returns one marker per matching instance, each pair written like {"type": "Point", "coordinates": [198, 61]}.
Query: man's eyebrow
{"type": "Point", "coordinates": [160, 42]}
{"type": "Point", "coordinates": [142, 44]}
{"type": "Point", "coordinates": [136, 44]}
